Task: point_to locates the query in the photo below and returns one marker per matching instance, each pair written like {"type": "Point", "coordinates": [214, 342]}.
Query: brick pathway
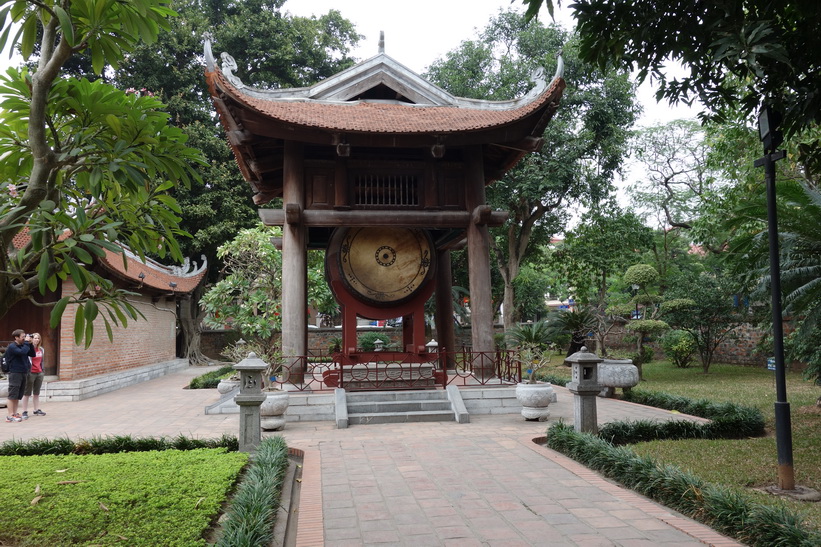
{"type": "Point", "coordinates": [485, 483]}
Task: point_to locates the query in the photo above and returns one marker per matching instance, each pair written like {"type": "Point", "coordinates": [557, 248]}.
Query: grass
{"type": "Point", "coordinates": [168, 497]}
{"type": "Point", "coordinates": [748, 463]}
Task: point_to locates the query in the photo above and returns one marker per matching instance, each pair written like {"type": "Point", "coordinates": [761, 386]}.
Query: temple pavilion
{"type": "Point", "coordinates": [387, 173]}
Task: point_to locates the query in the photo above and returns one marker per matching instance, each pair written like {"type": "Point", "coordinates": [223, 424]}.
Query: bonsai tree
{"type": "Point", "coordinates": [642, 277]}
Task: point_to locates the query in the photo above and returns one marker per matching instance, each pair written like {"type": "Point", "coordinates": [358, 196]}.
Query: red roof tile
{"type": "Point", "coordinates": [382, 117]}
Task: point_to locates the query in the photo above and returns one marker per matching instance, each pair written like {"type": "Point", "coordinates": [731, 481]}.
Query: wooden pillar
{"type": "Point", "coordinates": [445, 334]}
{"type": "Point", "coordinates": [294, 265]}
{"type": "Point", "coordinates": [481, 309]}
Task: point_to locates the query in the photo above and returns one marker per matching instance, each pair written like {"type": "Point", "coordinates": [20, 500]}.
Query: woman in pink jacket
{"type": "Point", "coordinates": [35, 379]}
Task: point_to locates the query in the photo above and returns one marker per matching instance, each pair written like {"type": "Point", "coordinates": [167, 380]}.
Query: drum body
{"type": "Point", "coordinates": [386, 268]}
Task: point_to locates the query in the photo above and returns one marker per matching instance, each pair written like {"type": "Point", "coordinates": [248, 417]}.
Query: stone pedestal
{"type": "Point", "coordinates": [584, 387]}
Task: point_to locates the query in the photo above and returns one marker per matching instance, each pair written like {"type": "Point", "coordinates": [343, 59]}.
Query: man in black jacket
{"type": "Point", "coordinates": [17, 357]}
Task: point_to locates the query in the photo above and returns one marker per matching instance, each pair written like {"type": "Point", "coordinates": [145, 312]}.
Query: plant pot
{"type": "Point", "coordinates": [272, 411]}
{"type": "Point", "coordinates": [227, 386]}
{"type": "Point", "coordinates": [535, 398]}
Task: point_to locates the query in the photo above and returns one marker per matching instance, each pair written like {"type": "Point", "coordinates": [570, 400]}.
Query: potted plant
{"type": "Point", "coordinates": [534, 353]}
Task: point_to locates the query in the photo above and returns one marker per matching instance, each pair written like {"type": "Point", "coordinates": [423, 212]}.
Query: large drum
{"type": "Point", "coordinates": [382, 267]}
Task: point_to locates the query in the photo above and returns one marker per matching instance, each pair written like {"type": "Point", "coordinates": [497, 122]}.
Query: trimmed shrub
{"type": "Point", "coordinates": [250, 518]}
{"type": "Point", "coordinates": [209, 380]}
{"type": "Point", "coordinates": [679, 347]}
{"type": "Point", "coordinates": [727, 420]}
{"type": "Point", "coordinates": [367, 340]}
{"type": "Point", "coordinates": [112, 444]}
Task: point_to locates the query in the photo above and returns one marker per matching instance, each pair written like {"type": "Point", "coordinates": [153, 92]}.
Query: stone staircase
{"type": "Point", "coordinates": [379, 407]}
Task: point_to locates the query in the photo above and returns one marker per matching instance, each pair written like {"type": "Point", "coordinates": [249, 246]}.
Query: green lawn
{"type": "Point", "coordinates": [168, 497]}
{"type": "Point", "coordinates": [750, 463]}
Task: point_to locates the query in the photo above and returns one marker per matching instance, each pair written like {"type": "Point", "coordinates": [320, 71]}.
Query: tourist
{"type": "Point", "coordinates": [17, 357]}
{"type": "Point", "coordinates": [35, 378]}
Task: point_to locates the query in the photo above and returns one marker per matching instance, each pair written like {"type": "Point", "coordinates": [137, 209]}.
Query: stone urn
{"type": "Point", "coordinates": [272, 410]}
{"type": "Point", "coordinates": [535, 399]}
{"type": "Point", "coordinates": [227, 386]}
{"type": "Point", "coordinates": [615, 373]}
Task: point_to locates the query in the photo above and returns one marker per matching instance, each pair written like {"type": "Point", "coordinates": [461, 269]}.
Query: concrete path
{"type": "Point", "coordinates": [485, 483]}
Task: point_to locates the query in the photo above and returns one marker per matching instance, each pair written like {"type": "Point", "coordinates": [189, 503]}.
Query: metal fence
{"type": "Point", "coordinates": [384, 370]}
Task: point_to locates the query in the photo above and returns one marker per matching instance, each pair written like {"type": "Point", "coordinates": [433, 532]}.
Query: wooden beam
{"type": "Point", "coordinates": [293, 213]}
{"type": "Point", "coordinates": [481, 215]}
{"type": "Point", "coordinates": [411, 219]}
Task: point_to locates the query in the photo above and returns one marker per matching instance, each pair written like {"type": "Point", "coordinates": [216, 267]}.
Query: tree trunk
{"type": "Point", "coordinates": [190, 317]}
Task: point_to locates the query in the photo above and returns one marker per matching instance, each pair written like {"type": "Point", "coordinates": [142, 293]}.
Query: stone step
{"type": "Point", "coordinates": [397, 406]}
{"type": "Point", "coordinates": [407, 395]}
{"type": "Point", "coordinates": [401, 417]}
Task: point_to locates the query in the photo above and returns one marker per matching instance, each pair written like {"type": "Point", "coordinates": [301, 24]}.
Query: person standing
{"type": "Point", "coordinates": [17, 357]}
{"type": "Point", "coordinates": [35, 378]}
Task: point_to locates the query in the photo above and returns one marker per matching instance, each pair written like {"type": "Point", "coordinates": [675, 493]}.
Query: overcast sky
{"type": "Point", "coordinates": [418, 33]}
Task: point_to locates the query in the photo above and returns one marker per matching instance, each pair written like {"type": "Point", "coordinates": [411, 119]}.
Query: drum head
{"type": "Point", "coordinates": [384, 266]}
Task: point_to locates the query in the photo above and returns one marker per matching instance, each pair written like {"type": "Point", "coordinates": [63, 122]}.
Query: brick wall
{"type": "Point", "coordinates": [143, 342]}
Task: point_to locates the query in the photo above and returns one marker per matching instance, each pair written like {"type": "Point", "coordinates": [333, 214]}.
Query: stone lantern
{"type": "Point", "coordinates": [584, 386]}
{"type": "Point", "coordinates": [249, 399]}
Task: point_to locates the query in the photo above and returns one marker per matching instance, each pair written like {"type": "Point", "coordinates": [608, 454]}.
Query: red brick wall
{"type": "Point", "coordinates": [143, 342]}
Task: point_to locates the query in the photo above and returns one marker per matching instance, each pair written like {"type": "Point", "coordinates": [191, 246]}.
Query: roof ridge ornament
{"type": "Point", "coordinates": [559, 65]}
{"type": "Point", "coordinates": [229, 65]}
{"type": "Point", "coordinates": [210, 64]}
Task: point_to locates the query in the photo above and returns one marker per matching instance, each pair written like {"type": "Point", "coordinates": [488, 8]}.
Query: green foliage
{"type": "Point", "coordinates": [679, 347]}
{"type": "Point", "coordinates": [111, 499]}
{"type": "Point", "coordinates": [729, 420]}
{"type": "Point", "coordinates": [529, 290]}
{"type": "Point", "coordinates": [367, 340]}
{"type": "Point", "coordinates": [335, 344]}
{"type": "Point", "coordinates": [274, 49]}
{"type": "Point", "coordinates": [720, 508]}
{"type": "Point", "coordinates": [642, 357]}
{"type": "Point", "coordinates": [500, 340]}
{"type": "Point", "coordinates": [112, 444]}
{"type": "Point", "coordinates": [703, 307]}
{"type": "Point", "coordinates": [249, 294]}
{"type": "Point", "coordinates": [647, 327]}
{"type": "Point", "coordinates": [251, 516]}
{"type": "Point", "coordinates": [538, 335]}
{"type": "Point", "coordinates": [84, 157]}
{"type": "Point", "coordinates": [768, 46]}
{"type": "Point", "coordinates": [209, 380]}
{"type": "Point", "coordinates": [579, 323]}
{"type": "Point", "coordinates": [584, 143]}
{"type": "Point", "coordinates": [641, 274]}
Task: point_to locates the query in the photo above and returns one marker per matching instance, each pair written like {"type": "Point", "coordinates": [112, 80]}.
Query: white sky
{"type": "Point", "coordinates": [418, 33]}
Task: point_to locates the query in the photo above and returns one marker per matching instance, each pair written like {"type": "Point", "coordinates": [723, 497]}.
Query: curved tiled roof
{"type": "Point", "coordinates": [388, 117]}
{"type": "Point", "coordinates": [156, 276]}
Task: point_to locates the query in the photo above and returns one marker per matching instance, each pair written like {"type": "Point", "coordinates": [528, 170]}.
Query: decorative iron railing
{"type": "Point", "coordinates": [385, 370]}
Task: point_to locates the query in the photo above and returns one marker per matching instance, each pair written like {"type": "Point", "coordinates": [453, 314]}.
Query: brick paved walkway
{"type": "Point", "coordinates": [485, 483]}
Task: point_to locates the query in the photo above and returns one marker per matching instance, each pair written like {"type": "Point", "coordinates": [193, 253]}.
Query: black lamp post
{"type": "Point", "coordinates": [771, 138]}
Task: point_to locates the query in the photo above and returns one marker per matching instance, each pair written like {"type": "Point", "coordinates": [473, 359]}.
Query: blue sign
{"type": "Point", "coordinates": [770, 363]}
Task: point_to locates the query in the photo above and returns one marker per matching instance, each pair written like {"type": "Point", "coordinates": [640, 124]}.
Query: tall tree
{"type": "Point", "coordinates": [83, 157]}
{"type": "Point", "coordinates": [739, 53]}
{"type": "Point", "coordinates": [584, 143]}
{"type": "Point", "coordinates": [604, 244]}
{"type": "Point", "coordinates": [272, 49]}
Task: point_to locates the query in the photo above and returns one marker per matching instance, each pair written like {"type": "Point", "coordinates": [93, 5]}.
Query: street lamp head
{"type": "Point", "coordinates": [768, 122]}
